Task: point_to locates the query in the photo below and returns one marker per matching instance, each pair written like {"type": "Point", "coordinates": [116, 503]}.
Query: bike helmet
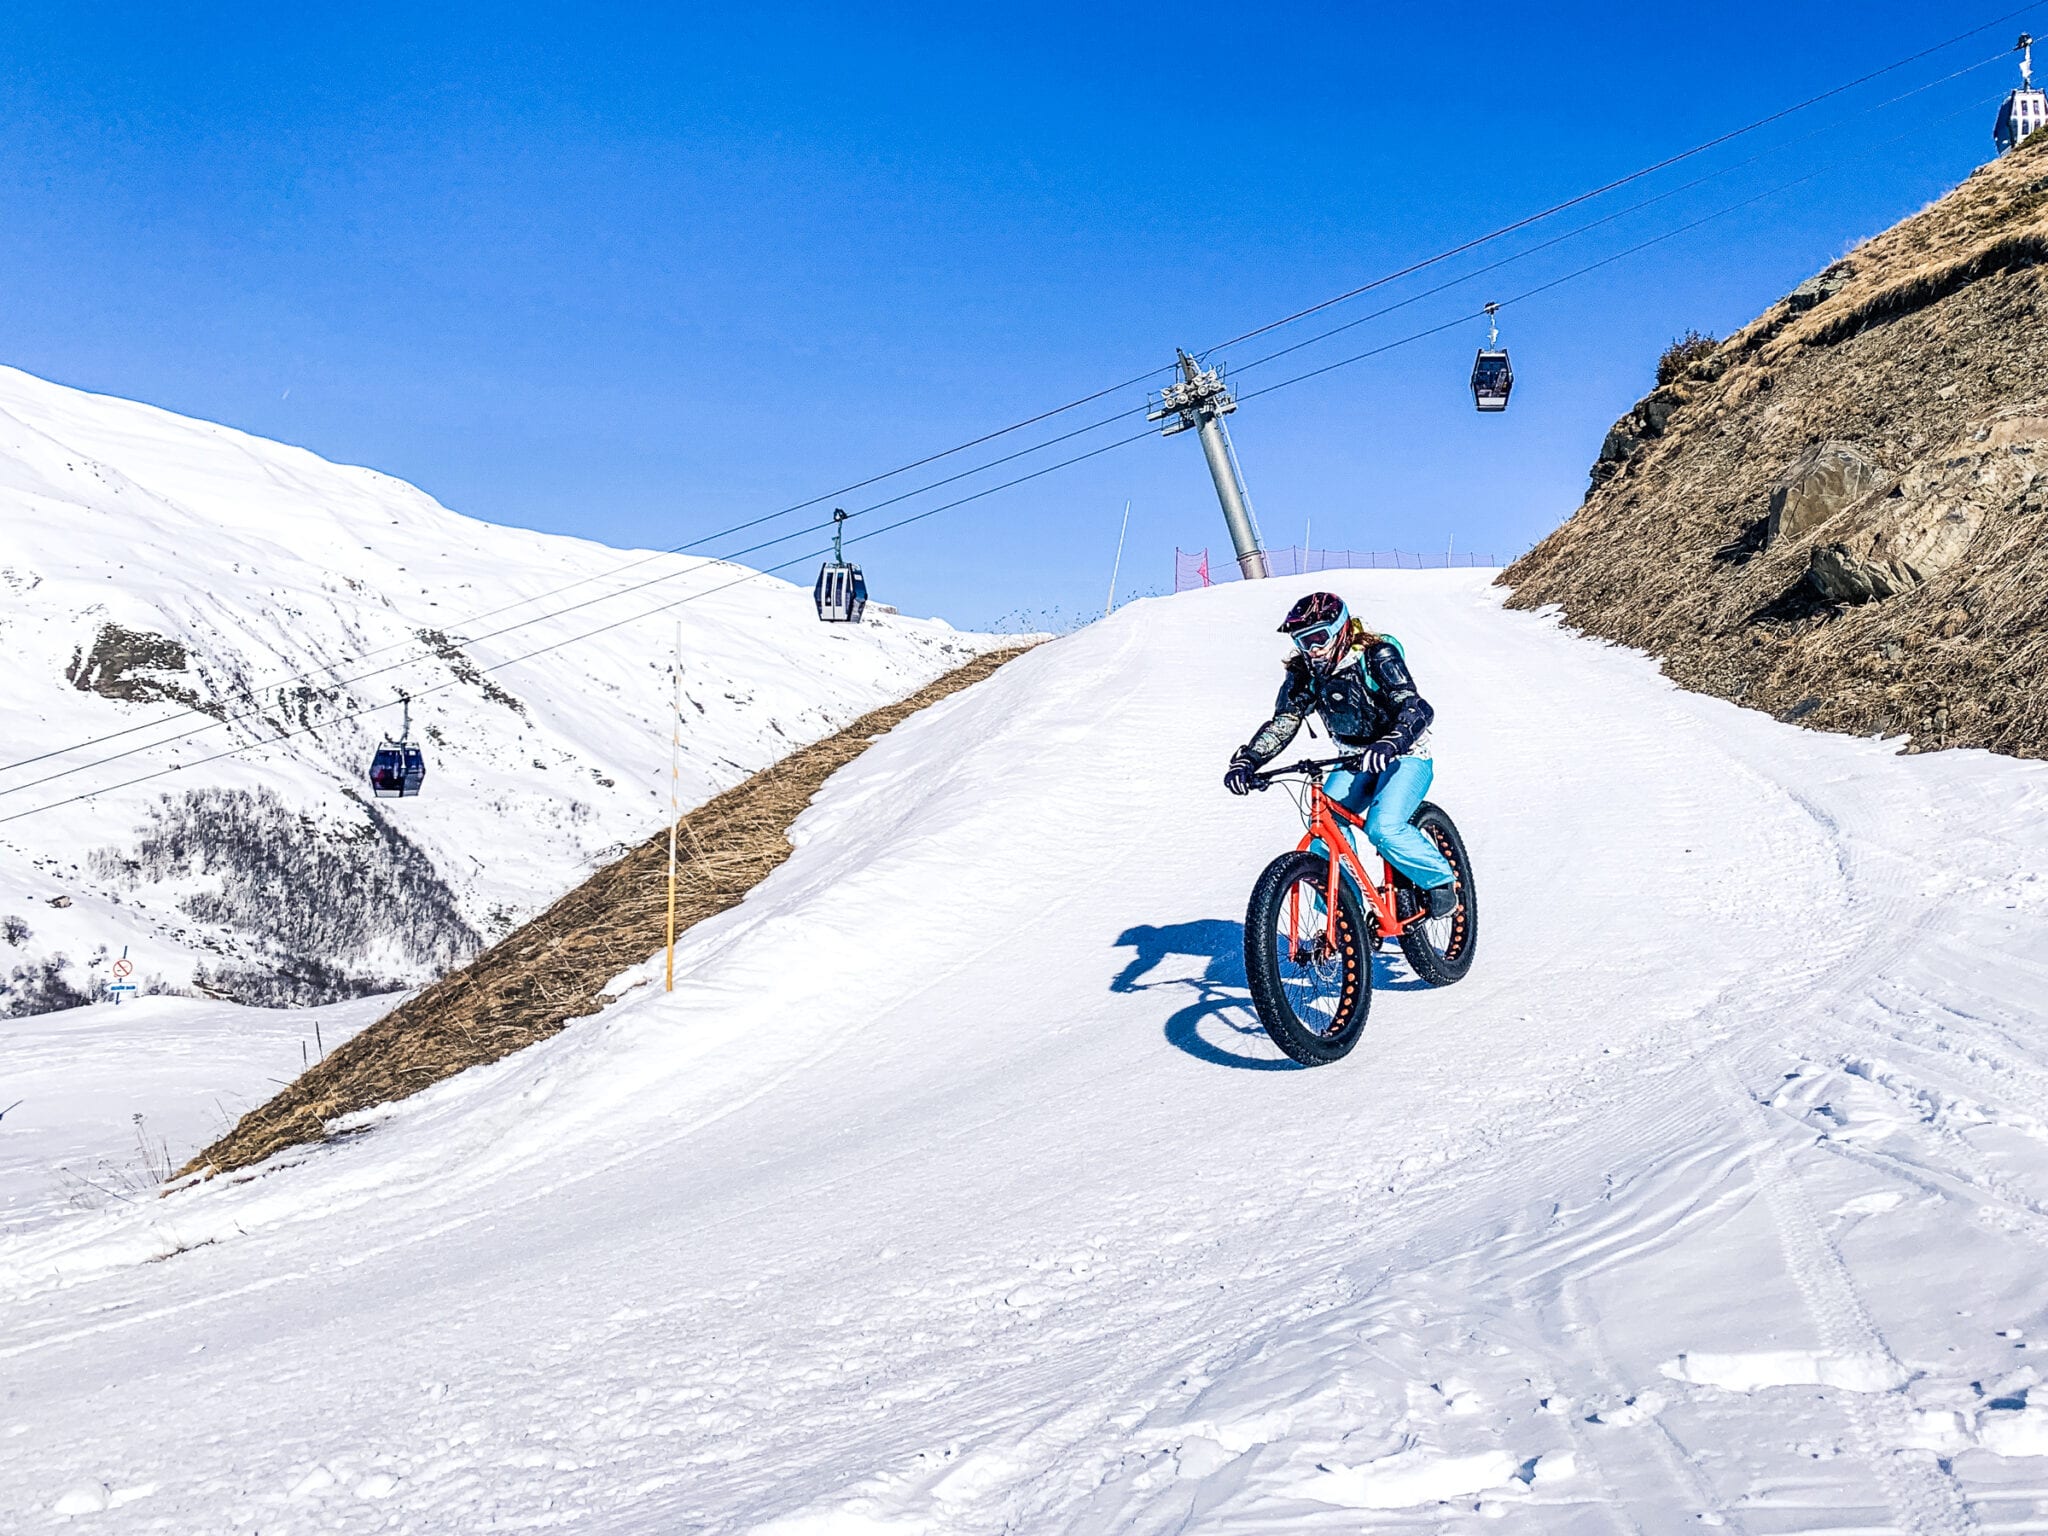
{"type": "Point", "coordinates": [1319, 626]}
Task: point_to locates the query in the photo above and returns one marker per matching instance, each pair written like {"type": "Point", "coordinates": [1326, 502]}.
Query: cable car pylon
{"type": "Point", "coordinates": [1201, 400]}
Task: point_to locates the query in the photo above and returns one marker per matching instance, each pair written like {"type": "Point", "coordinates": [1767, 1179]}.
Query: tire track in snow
{"type": "Point", "coordinates": [1908, 1008]}
{"type": "Point", "coordinates": [1922, 1492]}
{"type": "Point", "coordinates": [1958, 1058]}
{"type": "Point", "coordinates": [1679, 1467]}
{"type": "Point", "coordinates": [1944, 1160]}
{"type": "Point", "coordinates": [1321, 1261]}
{"type": "Point", "coordinates": [1136, 1371]}
{"type": "Point", "coordinates": [1547, 1275]}
{"type": "Point", "coordinates": [1924, 1496]}
{"type": "Point", "coordinates": [1585, 1374]}
{"type": "Point", "coordinates": [1845, 953]}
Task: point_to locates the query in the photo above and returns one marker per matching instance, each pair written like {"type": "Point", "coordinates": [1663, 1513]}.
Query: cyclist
{"type": "Point", "coordinates": [1358, 682]}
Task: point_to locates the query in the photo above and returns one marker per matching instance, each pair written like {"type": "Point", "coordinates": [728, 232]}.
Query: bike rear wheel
{"type": "Point", "coordinates": [1440, 949]}
{"type": "Point", "coordinates": [1312, 995]}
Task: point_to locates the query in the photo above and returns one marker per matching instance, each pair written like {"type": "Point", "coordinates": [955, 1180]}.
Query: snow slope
{"type": "Point", "coordinates": [956, 1190]}
{"type": "Point", "coordinates": [97, 1102]}
{"type": "Point", "coordinates": [242, 564]}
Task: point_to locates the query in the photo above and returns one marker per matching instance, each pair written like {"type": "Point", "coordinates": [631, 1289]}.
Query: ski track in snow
{"type": "Point", "coordinates": [957, 1190]}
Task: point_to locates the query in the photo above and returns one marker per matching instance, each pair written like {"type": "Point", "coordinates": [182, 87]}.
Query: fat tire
{"type": "Point", "coordinates": [1357, 937]}
{"type": "Point", "coordinates": [1441, 967]}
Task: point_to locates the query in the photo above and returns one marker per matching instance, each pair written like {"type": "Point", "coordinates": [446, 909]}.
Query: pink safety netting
{"type": "Point", "coordinates": [1194, 567]}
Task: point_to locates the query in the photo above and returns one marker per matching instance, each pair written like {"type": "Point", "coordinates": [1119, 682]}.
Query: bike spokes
{"type": "Point", "coordinates": [1447, 933]}
{"type": "Point", "coordinates": [1440, 949]}
{"type": "Point", "coordinates": [1309, 968]}
{"type": "Point", "coordinates": [1313, 973]}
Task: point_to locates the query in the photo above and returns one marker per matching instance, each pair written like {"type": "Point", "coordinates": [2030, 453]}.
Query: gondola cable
{"type": "Point", "coordinates": [1042, 416]}
{"type": "Point", "coordinates": [1455, 321]}
{"type": "Point", "coordinates": [214, 723]}
{"type": "Point", "coordinates": [1623, 181]}
{"type": "Point", "coordinates": [1574, 233]}
{"type": "Point", "coordinates": [1577, 272]}
{"type": "Point", "coordinates": [1436, 259]}
{"type": "Point", "coordinates": [1461, 319]}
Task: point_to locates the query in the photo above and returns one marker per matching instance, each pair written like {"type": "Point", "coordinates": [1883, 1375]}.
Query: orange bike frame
{"type": "Point", "coordinates": [1326, 822]}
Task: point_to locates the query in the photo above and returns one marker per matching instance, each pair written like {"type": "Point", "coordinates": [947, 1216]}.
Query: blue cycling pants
{"type": "Point", "coordinates": [1387, 802]}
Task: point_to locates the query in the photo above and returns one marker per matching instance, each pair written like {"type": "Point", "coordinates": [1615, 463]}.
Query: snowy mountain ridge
{"type": "Point", "coordinates": [226, 590]}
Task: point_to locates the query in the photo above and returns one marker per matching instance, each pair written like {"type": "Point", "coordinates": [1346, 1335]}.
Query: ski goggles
{"type": "Point", "coordinates": [1316, 638]}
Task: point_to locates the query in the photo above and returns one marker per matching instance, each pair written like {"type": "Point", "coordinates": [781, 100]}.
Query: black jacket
{"type": "Point", "coordinates": [1371, 698]}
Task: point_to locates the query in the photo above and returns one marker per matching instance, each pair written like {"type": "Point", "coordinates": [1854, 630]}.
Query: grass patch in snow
{"type": "Point", "coordinates": [554, 969]}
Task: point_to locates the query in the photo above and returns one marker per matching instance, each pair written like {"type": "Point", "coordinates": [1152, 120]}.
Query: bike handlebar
{"type": "Point", "coordinates": [1308, 767]}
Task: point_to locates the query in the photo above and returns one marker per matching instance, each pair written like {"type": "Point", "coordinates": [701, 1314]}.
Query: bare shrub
{"type": "Point", "coordinates": [40, 986]}
{"type": "Point", "coordinates": [1684, 351]}
{"type": "Point", "coordinates": [290, 981]}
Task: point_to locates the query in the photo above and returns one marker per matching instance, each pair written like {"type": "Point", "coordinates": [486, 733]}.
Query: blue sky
{"type": "Point", "coordinates": [638, 273]}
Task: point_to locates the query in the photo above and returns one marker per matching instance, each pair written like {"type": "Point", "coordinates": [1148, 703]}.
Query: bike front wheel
{"type": "Point", "coordinates": [1440, 949]}
{"type": "Point", "coordinates": [1312, 989]}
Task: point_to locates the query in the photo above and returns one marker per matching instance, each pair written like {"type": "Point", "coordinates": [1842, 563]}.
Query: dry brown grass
{"type": "Point", "coordinates": [539, 978]}
{"type": "Point", "coordinates": [1931, 335]}
{"type": "Point", "coordinates": [1998, 218]}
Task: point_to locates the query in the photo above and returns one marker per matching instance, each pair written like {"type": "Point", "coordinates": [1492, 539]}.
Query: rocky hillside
{"type": "Point", "coordinates": [1840, 514]}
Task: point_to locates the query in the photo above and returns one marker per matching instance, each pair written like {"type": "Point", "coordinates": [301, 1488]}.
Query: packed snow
{"type": "Point", "coordinates": [225, 591]}
{"type": "Point", "coordinates": [956, 1189]}
{"type": "Point", "coordinates": [98, 1104]}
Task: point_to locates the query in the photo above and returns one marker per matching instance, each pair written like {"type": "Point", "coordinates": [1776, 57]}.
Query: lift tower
{"type": "Point", "coordinates": [1201, 400]}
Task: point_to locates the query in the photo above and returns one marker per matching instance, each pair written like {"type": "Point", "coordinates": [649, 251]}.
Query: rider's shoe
{"type": "Point", "coordinates": [1442, 900]}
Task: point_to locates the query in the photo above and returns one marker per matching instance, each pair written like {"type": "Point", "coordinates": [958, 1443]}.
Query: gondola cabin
{"type": "Point", "coordinates": [1493, 376]}
{"type": "Point", "coordinates": [398, 769]}
{"type": "Point", "coordinates": [842, 592]}
{"type": "Point", "coordinates": [2023, 112]}
{"type": "Point", "coordinates": [2026, 109]}
{"type": "Point", "coordinates": [1493, 379]}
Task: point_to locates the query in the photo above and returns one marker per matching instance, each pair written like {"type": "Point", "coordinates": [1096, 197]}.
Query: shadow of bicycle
{"type": "Point", "coordinates": [1220, 1018]}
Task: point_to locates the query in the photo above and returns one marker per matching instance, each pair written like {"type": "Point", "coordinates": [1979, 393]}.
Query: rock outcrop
{"type": "Point", "coordinates": [135, 667]}
{"type": "Point", "coordinates": [1841, 514]}
{"type": "Point", "coordinates": [1929, 523]}
{"type": "Point", "coordinates": [1824, 481]}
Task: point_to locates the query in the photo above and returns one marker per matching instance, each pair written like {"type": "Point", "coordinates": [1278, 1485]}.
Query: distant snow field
{"type": "Point", "coordinates": [169, 574]}
{"type": "Point", "coordinates": [956, 1189]}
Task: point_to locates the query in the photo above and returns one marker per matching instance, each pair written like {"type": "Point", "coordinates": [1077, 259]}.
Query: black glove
{"type": "Point", "coordinates": [1376, 759]}
{"type": "Point", "coordinates": [1239, 779]}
